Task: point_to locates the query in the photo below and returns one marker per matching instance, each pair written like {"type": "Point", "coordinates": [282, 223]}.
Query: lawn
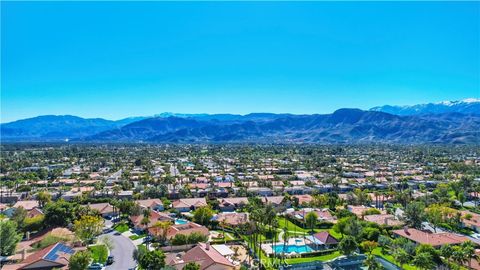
{"type": "Point", "coordinates": [378, 251]}
{"type": "Point", "coordinates": [99, 253]}
{"type": "Point", "coordinates": [228, 236]}
{"type": "Point", "coordinates": [332, 233]}
{"type": "Point", "coordinates": [121, 227]}
{"type": "Point", "coordinates": [283, 222]}
{"type": "Point", "coordinates": [321, 258]}
{"type": "Point", "coordinates": [137, 236]}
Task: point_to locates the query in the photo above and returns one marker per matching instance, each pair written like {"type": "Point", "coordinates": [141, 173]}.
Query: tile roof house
{"type": "Point", "coordinates": [34, 212]}
{"type": "Point", "coordinates": [203, 254]}
{"type": "Point", "coordinates": [433, 239]}
{"type": "Point", "coordinates": [275, 200]}
{"type": "Point", "coordinates": [185, 205]}
{"type": "Point", "coordinates": [27, 205]}
{"type": "Point", "coordinates": [384, 219]}
{"type": "Point", "coordinates": [153, 219]}
{"type": "Point", "coordinates": [152, 204]}
{"type": "Point", "coordinates": [325, 239]}
{"type": "Point", "coordinates": [231, 204]}
{"type": "Point", "coordinates": [303, 199]}
{"type": "Point", "coordinates": [186, 229]}
{"type": "Point", "coordinates": [323, 214]}
{"type": "Point", "coordinates": [55, 256]}
{"type": "Point", "coordinates": [358, 210]}
{"type": "Point", "coordinates": [231, 219]}
{"type": "Point", "coordinates": [105, 209]}
{"type": "Point", "coordinates": [472, 222]}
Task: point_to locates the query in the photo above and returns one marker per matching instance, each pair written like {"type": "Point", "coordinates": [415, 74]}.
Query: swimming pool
{"type": "Point", "coordinates": [180, 221]}
{"type": "Point", "coordinates": [292, 248]}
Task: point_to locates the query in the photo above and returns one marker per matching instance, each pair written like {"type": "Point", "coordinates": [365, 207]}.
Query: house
{"type": "Point", "coordinates": [55, 256]}
{"type": "Point", "coordinates": [323, 239]}
{"type": "Point", "coordinates": [186, 229]}
{"type": "Point", "coordinates": [203, 254]}
{"type": "Point", "coordinates": [152, 204]}
{"type": "Point", "coordinates": [323, 215]}
{"type": "Point", "coordinates": [185, 205]}
{"type": "Point", "coordinates": [274, 200]}
{"type": "Point", "coordinates": [154, 218]}
{"type": "Point", "coordinates": [260, 191]}
{"type": "Point", "coordinates": [105, 209]}
{"type": "Point", "coordinates": [384, 220]}
{"type": "Point", "coordinates": [429, 238]}
{"type": "Point", "coordinates": [359, 210]}
{"type": "Point", "coordinates": [232, 204]}
{"type": "Point", "coordinates": [27, 205]}
{"type": "Point", "coordinates": [231, 219]}
{"type": "Point", "coordinates": [34, 212]}
{"type": "Point", "coordinates": [471, 220]}
{"type": "Point", "coordinates": [303, 199]}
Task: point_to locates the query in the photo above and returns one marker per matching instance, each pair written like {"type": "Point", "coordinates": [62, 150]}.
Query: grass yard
{"type": "Point", "coordinates": [378, 251]}
{"type": "Point", "coordinates": [321, 258]}
{"type": "Point", "coordinates": [99, 253]}
{"type": "Point", "coordinates": [332, 233]}
{"type": "Point", "coordinates": [283, 222]}
{"type": "Point", "coordinates": [137, 236]}
{"type": "Point", "coordinates": [121, 227]}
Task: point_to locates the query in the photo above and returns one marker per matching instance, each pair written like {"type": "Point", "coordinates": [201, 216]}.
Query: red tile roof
{"type": "Point", "coordinates": [434, 239]}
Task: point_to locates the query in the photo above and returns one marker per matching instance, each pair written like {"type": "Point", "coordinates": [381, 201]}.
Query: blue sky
{"type": "Point", "coordinates": [119, 59]}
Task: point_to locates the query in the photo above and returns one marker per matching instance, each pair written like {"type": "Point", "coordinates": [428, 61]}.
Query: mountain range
{"type": "Point", "coordinates": [456, 122]}
{"type": "Point", "coordinates": [467, 106]}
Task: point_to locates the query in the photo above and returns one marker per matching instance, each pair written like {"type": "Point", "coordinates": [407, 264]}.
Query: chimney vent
{"type": "Point", "coordinates": [207, 246]}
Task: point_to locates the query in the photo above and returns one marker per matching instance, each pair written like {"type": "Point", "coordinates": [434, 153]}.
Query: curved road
{"type": "Point", "coordinates": [122, 251]}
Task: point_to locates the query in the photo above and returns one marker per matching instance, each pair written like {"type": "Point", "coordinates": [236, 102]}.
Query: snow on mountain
{"type": "Point", "coordinates": [465, 106]}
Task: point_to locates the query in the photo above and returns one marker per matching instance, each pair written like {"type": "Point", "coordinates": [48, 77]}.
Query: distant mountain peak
{"type": "Point", "coordinates": [465, 106]}
{"type": "Point", "coordinates": [456, 102]}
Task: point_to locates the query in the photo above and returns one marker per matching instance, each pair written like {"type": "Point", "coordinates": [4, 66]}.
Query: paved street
{"type": "Point", "coordinates": [122, 251]}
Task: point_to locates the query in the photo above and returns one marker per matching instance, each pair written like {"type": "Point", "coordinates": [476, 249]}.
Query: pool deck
{"type": "Point", "coordinates": [268, 248]}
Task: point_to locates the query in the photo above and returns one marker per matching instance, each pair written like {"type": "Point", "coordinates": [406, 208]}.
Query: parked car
{"type": "Point", "coordinates": [110, 260]}
{"type": "Point", "coordinates": [96, 266]}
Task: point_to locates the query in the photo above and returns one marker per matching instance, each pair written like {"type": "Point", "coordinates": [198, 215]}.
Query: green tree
{"type": "Point", "coordinates": [191, 266]}
{"type": "Point", "coordinates": [368, 246]}
{"type": "Point", "coordinates": [434, 215]}
{"type": "Point", "coordinates": [59, 214]}
{"type": "Point", "coordinates": [8, 237]}
{"type": "Point", "coordinates": [43, 198]}
{"type": "Point", "coordinates": [341, 226]}
{"type": "Point", "coordinates": [347, 245]}
{"type": "Point", "coordinates": [468, 249]}
{"type": "Point", "coordinates": [151, 260]}
{"type": "Point", "coordinates": [80, 260]}
{"type": "Point", "coordinates": [401, 256]}
{"type": "Point", "coordinates": [311, 220]}
{"type": "Point", "coordinates": [87, 227]}
{"type": "Point", "coordinates": [203, 215]}
{"type": "Point", "coordinates": [372, 264]}
{"type": "Point", "coordinates": [19, 216]}
{"type": "Point", "coordinates": [424, 260]}
{"type": "Point", "coordinates": [414, 214]}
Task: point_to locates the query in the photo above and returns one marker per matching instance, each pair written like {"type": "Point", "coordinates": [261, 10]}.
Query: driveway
{"type": "Point", "coordinates": [122, 251]}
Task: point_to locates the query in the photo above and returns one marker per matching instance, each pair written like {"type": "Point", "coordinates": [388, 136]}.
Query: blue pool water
{"type": "Point", "coordinates": [180, 221]}
{"type": "Point", "coordinates": [292, 248]}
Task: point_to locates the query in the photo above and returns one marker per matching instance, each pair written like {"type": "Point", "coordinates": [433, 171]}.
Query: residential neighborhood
{"type": "Point", "coordinates": [228, 207]}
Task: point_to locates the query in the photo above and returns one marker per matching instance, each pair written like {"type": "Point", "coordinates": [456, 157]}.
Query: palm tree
{"type": "Point", "coordinates": [223, 224]}
{"type": "Point", "coordinates": [469, 252]}
{"type": "Point", "coordinates": [424, 260]}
